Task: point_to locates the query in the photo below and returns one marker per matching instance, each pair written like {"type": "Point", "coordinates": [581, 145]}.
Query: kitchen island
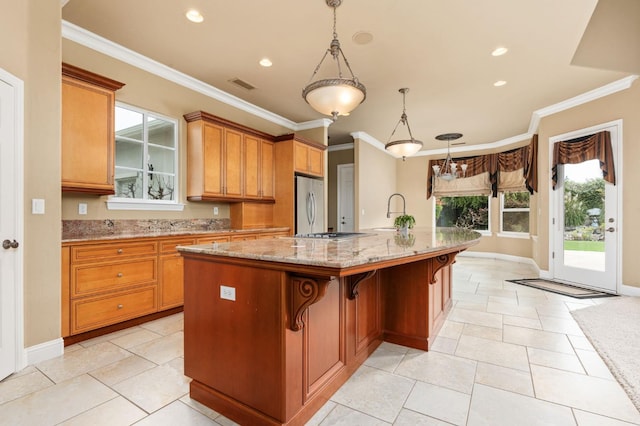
{"type": "Point", "coordinates": [274, 327]}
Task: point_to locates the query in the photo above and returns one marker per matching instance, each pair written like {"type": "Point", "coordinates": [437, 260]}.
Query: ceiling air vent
{"type": "Point", "coordinates": [458, 143]}
{"type": "Point", "coordinates": [242, 83]}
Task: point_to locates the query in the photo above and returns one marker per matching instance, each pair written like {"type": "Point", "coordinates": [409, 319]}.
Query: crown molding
{"type": "Point", "coordinates": [314, 124]}
{"type": "Point", "coordinates": [341, 147]}
{"type": "Point", "coordinates": [107, 47]}
{"type": "Point", "coordinates": [589, 96]}
{"type": "Point", "coordinates": [366, 137]}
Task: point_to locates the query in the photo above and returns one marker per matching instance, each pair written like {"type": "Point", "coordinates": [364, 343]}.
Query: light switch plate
{"type": "Point", "coordinates": [227, 293]}
{"type": "Point", "coordinates": [37, 206]}
{"type": "Point", "coordinates": [82, 208]}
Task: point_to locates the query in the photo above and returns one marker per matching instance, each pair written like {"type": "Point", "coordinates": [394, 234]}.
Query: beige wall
{"type": "Point", "coordinates": [336, 158]}
{"type": "Point", "coordinates": [153, 93]}
{"type": "Point", "coordinates": [30, 50]}
{"type": "Point", "coordinates": [623, 105]}
{"type": "Point", "coordinates": [375, 181]}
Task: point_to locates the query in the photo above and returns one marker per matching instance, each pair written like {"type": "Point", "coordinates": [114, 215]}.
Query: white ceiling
{"type": "Point", "coordinates": [439, 49]}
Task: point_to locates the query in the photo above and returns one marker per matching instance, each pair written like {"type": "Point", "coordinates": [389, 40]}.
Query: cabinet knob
{"type": "Point", "coordinates": [120, 306]}
{"type": "Point", "coordinates": [119, 251]}
{"type": "Point", "coordinates": [119, 274]}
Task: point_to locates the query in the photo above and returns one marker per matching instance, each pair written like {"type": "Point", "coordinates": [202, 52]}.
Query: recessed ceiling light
{"type": "Point", "coordinates": [499, 83]}
{"type": "Point", "coordinates": [194, 16]}
{"type": "Point", "coordinates": [499, 51]}
{"type": "Point", "coordinates": [362, 37]}
{"type": "Point", "coordinates": [266, 62]}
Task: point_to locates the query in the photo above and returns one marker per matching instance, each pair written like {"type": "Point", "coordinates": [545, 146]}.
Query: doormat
{"type": "Point", "coordinates": [561, 288]}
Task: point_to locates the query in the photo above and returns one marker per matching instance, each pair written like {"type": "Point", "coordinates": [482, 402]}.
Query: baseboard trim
{"type": "Point", "coordinates": [628, 290]}
{"type": "Point", "coordinates": [44, 351]}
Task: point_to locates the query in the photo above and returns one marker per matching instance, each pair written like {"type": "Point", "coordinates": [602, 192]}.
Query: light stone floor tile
{"type": "Point", "coordinates": [561, 361]}
{"type": "Point", "coordinates": [154, 388]}
{"type": "Point", "coordinates": [440, 403]}
{"type": "Point", "coordinates": [593, 394]}
{"type": "Point", "coordinates": [439, 369]}
{"type": "Point", "coordinates": [444, 345]}
{"type": "Point", "coordinates": [56, 404]}
{"type": "Point", "coordinates": [167, 325]}
{"type": "Point", "coordinates": [504, 378]}
{"type": "Point", "coordinates": [375, 392]}
{"type": "Point", "coordinates": [163, 349]}
{"type": "Point", "coordinates": [589, 419]}
{"type": "Point", "coordinates": [117, 411]}
{"type": "Point", "coordinates": [385, 359]}
{"type": "Point", "coordinates": [24, 384]}
{"type": "Point", "coordinates": [102, 339]}
{"type": "Point", "coordinates": [522, 322]}
{"type": "Point", "coordinates": [222, 420]}
{"type": "Point", "coordinates": [556, 311]}
{"type": "Point", "coordinates": [473, 317]}
{"type": "Point", "coordinates": [121, 370]}
{"type": "Point", "coordinates": [470, 305]}
{"type": "Point", "coordinates": [512, 309]}
{"type": "Point", "coordinates": [497, 353]}
{"type": "Point", "coordinates": [513, 301]}
{"type": "Point", "coordinates": [345, 416]}
{"type": "Point", "coordinates": [495, 407]}
{"type": "Point", "coordinates": [484, 332]}
{"type": "Point", "coordinates": [411, 418]}
{"type": "Point", "coordinates": [320, 415]}
{"type": "Point", "coordinates": [561, 325]}
{"type": "Point", "coordinates": [537, 339]}
{"type": "Point", "coordinates": [212, 414]}
{"type": "Point", "coordinates": [82, 361]}
{"type": "Point", "coordinates": [583, 343]}
{"type": "Point", "coordinates": [594, 365]}
{"type": "Point", "coordinates": [134, 339]}
{"type": "Point", "coordinates": [176, 413]}
{"type": "Point", "coordinates": [451, 329]}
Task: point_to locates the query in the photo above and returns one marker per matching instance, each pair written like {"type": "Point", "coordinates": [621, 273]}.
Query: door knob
{"type": "Point", "coordinates": [611, 229]}
{"type": "Point", "coordinates": [6, 244]}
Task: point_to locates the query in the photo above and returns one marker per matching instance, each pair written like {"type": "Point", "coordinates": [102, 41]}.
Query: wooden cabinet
{"type": "Point", "coordinates": [258, 168]}
{"type": "Point", "coordinates": [88, 144]}
{"type": "Point", "coordinates": [171, 268]}
{"type": "Point", "coordinates": [226, 161]}
{"type": "Point", "coordinates": [108, 282]}
{"type": "Point", "coordinates": [308, 160]}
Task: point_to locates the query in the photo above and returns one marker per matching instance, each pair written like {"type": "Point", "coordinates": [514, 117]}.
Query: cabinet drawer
{"type": "Point", "coordinates": [96, 312]}
{"type": "Point", "coordinates": [99, 252]}
{"type": "Point", "coordinates": [94, 278]}
{"type": "Point", "coordinates": [209, 240]}
{"type": "Point", "coordinates": [169, 246]}
{"type": "Point", "coordinates": [243, 237]}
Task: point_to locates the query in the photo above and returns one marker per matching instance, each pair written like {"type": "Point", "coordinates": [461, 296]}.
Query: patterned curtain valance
{"type": "Point", "coordinates": [592, 147]}
{"type": "Point", "coordinates": [524, 159]}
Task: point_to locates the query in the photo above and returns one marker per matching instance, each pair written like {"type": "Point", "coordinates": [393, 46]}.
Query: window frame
{"type": "Point", "coordinates": [513, 234]}
{"type": "Point", "coordinates": [483, 232]}
{"type": "Point", "coordinates": [123, 203]}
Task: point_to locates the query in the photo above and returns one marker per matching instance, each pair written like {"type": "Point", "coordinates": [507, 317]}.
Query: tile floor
{"type": "Point", "coordinates": [507, 355]}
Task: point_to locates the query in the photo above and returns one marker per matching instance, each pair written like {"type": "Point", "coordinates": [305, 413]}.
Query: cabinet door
{"type": "Point", "coordinates": [213, 160]}
{"type": "Point", "coordinates": [233, 163]}
{"type": "Point", "coordinates": [267, 172]}
{"type": "Point", "coordinates": [301, 157]}
{"type": "Point", "coordinates": [171, 288]}
{"type": "Point", "coordinates": [251, 167]}
{"type": "Point", "coordinates": [87, 137]}
{"type": "Point", "coordinates": [316, 161]}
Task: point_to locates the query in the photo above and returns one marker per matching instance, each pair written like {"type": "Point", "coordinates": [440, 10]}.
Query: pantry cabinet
{"type": "Point", "coordinates": [88, 144]}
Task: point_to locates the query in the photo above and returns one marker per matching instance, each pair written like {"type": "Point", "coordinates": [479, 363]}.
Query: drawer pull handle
{"type": "Point", "coordinates": [119, 274]}
{"type": "Point", "coordinates": [119, 251]}
{"type": "Point", "coordinates": [120, 306]}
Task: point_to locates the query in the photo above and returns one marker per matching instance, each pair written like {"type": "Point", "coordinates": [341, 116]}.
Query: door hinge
{"type": "Point", "coordinates": [553, 254]}
{"type": "Point", "coordinates": [553, 221]}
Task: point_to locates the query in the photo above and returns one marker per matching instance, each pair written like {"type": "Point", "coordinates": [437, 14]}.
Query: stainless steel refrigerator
{"type": "Point", "coordinates": [309, 205]}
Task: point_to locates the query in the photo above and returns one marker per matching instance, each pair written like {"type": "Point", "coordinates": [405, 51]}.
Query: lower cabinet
{"type": "Point", "coordinates": [108, 282]}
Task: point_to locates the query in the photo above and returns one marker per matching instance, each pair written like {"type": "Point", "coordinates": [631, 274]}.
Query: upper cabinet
{"type": "Point", "coordinates": [308, 159]}
{"type": "Point", "coordinates": [88, 102]}
{"type": "Point", "coordinates": [227, 162]}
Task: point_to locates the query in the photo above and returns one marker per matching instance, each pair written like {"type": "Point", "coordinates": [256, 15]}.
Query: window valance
{"type": "Point", "coordinates": [592, 147]}
{"type": "Point", "coordinates": [519, 167]}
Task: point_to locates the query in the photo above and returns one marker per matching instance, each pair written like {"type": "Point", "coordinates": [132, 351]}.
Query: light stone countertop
{"type": "Point", "coordinates": [373, 246]}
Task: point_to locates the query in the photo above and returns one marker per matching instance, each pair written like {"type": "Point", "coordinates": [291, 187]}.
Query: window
{"type": "Point", "coordinates": [470, 212]}
{"type": "Point", "coordinates": [146, 159]}
{"type": "Point", "coordinates": [514, 212]}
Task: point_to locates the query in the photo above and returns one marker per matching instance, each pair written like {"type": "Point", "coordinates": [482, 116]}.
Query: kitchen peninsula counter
{"type": "Point", "coordinates": [274, 327]}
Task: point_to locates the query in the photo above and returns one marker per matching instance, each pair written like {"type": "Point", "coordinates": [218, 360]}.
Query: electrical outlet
{"type": "Point", "coordinates": [215, 211]}
{"type": "Point", "coordinates": [82, 208]}
{"type": "Point", "coordinates": [227, 293]}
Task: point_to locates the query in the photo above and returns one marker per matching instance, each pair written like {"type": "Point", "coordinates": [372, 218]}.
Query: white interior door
{"type": "Point", "coordinates": [345, 198]}
{"type": "Point", "coordinates": [586, 225]}
{"type": "Point", "coordinates": [10, 231]}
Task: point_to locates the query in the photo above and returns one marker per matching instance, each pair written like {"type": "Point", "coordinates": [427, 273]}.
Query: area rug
{"type": "Point", "coordinates": [613, 328]}
{"type": "Point", "coordinates": [561, 288]}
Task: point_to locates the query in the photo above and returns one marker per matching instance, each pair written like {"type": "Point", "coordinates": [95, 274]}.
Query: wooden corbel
{"type": "Point", "coordinates": [355, 280]}
{"type": "Point", "coordinates": [440, 262]}
{"type": "Point", "coordinates": [304, 293]}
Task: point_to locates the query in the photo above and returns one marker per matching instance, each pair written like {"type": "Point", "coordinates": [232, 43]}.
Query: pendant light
{"type": "Point", "coordinates": [403, 147]}
{"type": "Point", "coordinates": [339, 95]}
{"type": "Point", "coordinates": [449, 169]}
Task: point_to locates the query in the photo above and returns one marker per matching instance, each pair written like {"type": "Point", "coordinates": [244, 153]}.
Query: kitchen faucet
{"type": "Point", "coordinates": [404, 204]}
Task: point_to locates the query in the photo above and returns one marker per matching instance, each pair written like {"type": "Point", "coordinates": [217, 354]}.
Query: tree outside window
{"type": "Point", "coordinates": [469, 212]}
{"type": "Point", "coordinates": [514, 208]}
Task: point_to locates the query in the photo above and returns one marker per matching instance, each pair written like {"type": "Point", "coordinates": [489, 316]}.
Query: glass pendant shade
{"type": "Point", "coordinates": [334, 95]}
{"type": "Point", "coordinates": [403, 147]}
{"type": "Point", "coordinates": [449, 169]}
